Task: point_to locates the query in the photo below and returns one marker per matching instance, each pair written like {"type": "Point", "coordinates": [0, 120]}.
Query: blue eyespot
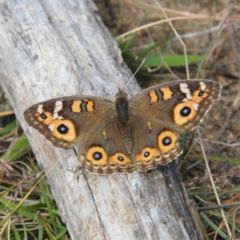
{"type": "Point", "coordinates": [97, 156]}
{"type": "Point", "coordinates": [43, 115]}
{"type": "Point", "coordinates": [185, 111]}
{"type": "Point", "coordinates": [120, 158]}
{"type": "Point", "coordinates": [167, 141]}
{"type": "Point", "coordinates": [63, 129]}
{"type": "Point", "coordinates": [146, 154]}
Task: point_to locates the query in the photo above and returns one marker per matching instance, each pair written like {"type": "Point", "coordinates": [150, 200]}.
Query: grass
{"type": "Point", "coordinates": [27, 207]}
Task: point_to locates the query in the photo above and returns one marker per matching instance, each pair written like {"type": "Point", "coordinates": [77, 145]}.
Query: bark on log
{"type": "Point", "coordinates": [51, 49]}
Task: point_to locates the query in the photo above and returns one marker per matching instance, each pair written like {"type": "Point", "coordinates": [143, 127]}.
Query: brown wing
{"type": "Point", "coordinates": [180, 105]}
{"type": "Point", "coordinates": [160, 113]}
{"type": "Point", "coordinates": [64, 121]}
{"type": "Point", "coordinates": [89, 121]}
{"type": "Point", "coordinates": [102, 149]}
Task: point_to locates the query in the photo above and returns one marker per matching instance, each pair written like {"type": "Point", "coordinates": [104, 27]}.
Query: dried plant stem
{"type": "Point", "coordinates": [212, 183]}
{"type": "Point", "coordinates": [177, 35]}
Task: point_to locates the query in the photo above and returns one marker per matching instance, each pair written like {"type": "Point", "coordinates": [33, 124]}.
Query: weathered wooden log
{"type": "Point", "coordinates": [60, 48]}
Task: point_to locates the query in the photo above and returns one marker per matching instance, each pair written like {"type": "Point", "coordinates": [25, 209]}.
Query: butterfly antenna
{"type": "Point", "coordinates": [135, 73]}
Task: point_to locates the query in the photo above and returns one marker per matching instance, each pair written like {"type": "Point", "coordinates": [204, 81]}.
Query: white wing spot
{"type": "Point", "coordinates": [202, 86]}
{"type": "Point", "coordinates": [51, 127]}
{"type": "Point", "coordinates": [56, 116]}
{"type": "Point", "coordinates": [58, 107]}
{"type": "Point", "coordinates": [40, 109]}
{"type": "Point", "coordinates": [195, 106]}
{"type": "Point", "coordinates": [184, 89]}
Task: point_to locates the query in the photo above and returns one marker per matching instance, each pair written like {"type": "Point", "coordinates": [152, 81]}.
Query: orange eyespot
{"type": "Point", "coordinates": [97, 155]}
{"type": "Point", "coordinates": [199, 95]}
{"type": "Point", "coordinates": [63, 129]}
{"type": "Point", "coordinates": [119, 158]}
{"type": "Point", "coordinates": [146, 154]}
{"type": "Point", "coordinates": [45, 117]}
{"type": "Point", "coordinates": [184, 112]}
{"type": "Point", "coordinates": [167, 141]}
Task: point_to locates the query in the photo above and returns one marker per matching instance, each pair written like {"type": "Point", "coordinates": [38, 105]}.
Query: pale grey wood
{"type": "Point", "coordinates": [60, 48]}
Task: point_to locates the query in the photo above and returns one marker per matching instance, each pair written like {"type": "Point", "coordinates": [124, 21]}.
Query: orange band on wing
{"type": "Point", "coordinates": [76, 106]}
{"type": "Point", "coordinates": [90, 106]}
{"type": "Point", "coordinates": [167, 93]}
{"type": "Point", "coordinates": [82, 106]}
{"type": "Point", "coordinates": [153, 96]}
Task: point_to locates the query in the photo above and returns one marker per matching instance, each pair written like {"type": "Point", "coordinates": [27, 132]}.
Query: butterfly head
{"type": "Point", "coordinates": [121, 94]}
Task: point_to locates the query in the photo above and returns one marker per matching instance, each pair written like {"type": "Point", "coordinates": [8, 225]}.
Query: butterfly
{"type": "Point", "coordinates": [126, 134]}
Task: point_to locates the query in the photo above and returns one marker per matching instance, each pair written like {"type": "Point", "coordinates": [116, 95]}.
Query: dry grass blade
{"type": "Point", "coordinates": [213, 184]}
{"type": "Point", "coordinates": [6, 113]}
{"type": "Point", "coordinates": [177, 35]}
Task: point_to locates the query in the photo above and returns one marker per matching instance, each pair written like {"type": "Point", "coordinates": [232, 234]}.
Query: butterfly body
{"type": "Point", "coordinates": [125, 135]}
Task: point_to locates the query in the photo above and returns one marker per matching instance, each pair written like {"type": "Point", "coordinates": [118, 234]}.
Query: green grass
{"type": "Point", "coordinates": [153, 58]}
{"type": "Point", "coordinates": [25, 200]}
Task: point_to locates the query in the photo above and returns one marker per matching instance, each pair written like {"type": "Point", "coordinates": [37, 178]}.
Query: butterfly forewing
{"type": "Point", "coordinates": [63, 121]}
{"type": "Point", "coordinates": [180, 105]}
